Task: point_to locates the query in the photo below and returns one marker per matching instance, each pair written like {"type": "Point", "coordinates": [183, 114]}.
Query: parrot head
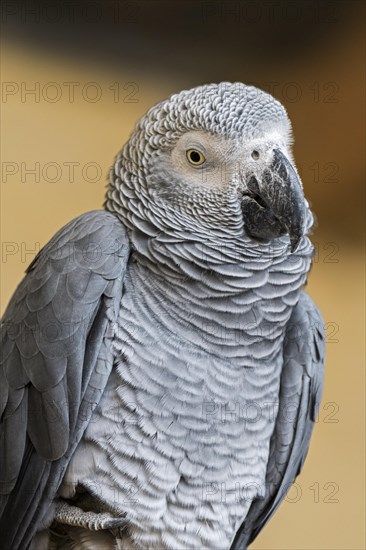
{"type": "Point", "coordinates": [213, 161]}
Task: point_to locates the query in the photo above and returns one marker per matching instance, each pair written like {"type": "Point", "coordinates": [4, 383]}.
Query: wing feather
{"type": "Point", "coordinates": [55, 362]}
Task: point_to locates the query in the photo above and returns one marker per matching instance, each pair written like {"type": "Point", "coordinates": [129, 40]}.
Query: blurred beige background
{"type": "Point", "coordinates": [93, 77]}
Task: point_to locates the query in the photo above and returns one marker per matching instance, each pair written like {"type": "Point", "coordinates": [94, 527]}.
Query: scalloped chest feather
{"type": "Point", "coordinates": [180, 439]}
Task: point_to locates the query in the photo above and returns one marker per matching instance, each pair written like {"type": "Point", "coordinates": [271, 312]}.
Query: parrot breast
{"type": "Point", "coordinates": [180, 440]}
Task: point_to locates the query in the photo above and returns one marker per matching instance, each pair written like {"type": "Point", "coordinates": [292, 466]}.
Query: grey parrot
{"type": "Point", "coordinates": [161, 365]}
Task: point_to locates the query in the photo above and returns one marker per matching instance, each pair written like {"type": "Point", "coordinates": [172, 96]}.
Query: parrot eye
{"type": "Point", "coordinates": [195, 157]}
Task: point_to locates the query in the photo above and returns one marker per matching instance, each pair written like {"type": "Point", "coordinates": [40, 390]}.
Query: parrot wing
{"type": "Point", "coordinates": [299, 398]}
{"type": "Point", "coordinates": [55, 362]}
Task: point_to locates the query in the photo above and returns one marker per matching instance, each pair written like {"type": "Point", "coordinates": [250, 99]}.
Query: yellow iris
{"type": "Point", "coordinates": [195, 157]}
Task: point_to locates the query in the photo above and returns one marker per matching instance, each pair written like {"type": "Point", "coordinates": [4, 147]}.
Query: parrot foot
{"type": "Point", "coordinates": [94, 521]}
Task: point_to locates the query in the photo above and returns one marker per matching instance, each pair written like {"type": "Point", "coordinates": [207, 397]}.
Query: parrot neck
{"type": "Point", "coordinates": [211, 273]}
{"type": "Point", "coordinates": [210, 316]}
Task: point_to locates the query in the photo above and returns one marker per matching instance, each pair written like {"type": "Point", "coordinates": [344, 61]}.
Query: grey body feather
{"type": "Point", "coordinates": [152, 352]}
{"type": "Point", "coordinates": [299, 399]}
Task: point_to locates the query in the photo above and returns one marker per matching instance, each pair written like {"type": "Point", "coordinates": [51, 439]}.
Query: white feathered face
{"type": "Point", "coordinates": [199, 179]}
{"type": "Point", "coordinates": [206, 161]}
{"type": "Point", "coordinates": [232, 183]}
{"type": "Point", "coordinates": [218, 160]}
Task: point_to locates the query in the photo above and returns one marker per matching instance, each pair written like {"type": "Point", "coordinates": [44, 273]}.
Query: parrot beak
{"type": "Point", "coordinates": [274, 204]}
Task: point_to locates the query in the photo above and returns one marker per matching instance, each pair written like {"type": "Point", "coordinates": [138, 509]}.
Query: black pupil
{"type": "Point", "coordinates": [195, 157]}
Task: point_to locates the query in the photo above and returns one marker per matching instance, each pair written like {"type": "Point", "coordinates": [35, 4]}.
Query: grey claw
{"type": "Point", "coordinates": [94, 521]}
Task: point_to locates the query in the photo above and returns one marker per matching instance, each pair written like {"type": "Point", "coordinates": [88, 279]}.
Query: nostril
{"type": "Point", "coordinates": [255, 155]}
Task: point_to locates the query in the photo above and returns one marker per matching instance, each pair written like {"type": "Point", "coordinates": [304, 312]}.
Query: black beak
{"type": "Point", "coordinates": [275, 205]}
